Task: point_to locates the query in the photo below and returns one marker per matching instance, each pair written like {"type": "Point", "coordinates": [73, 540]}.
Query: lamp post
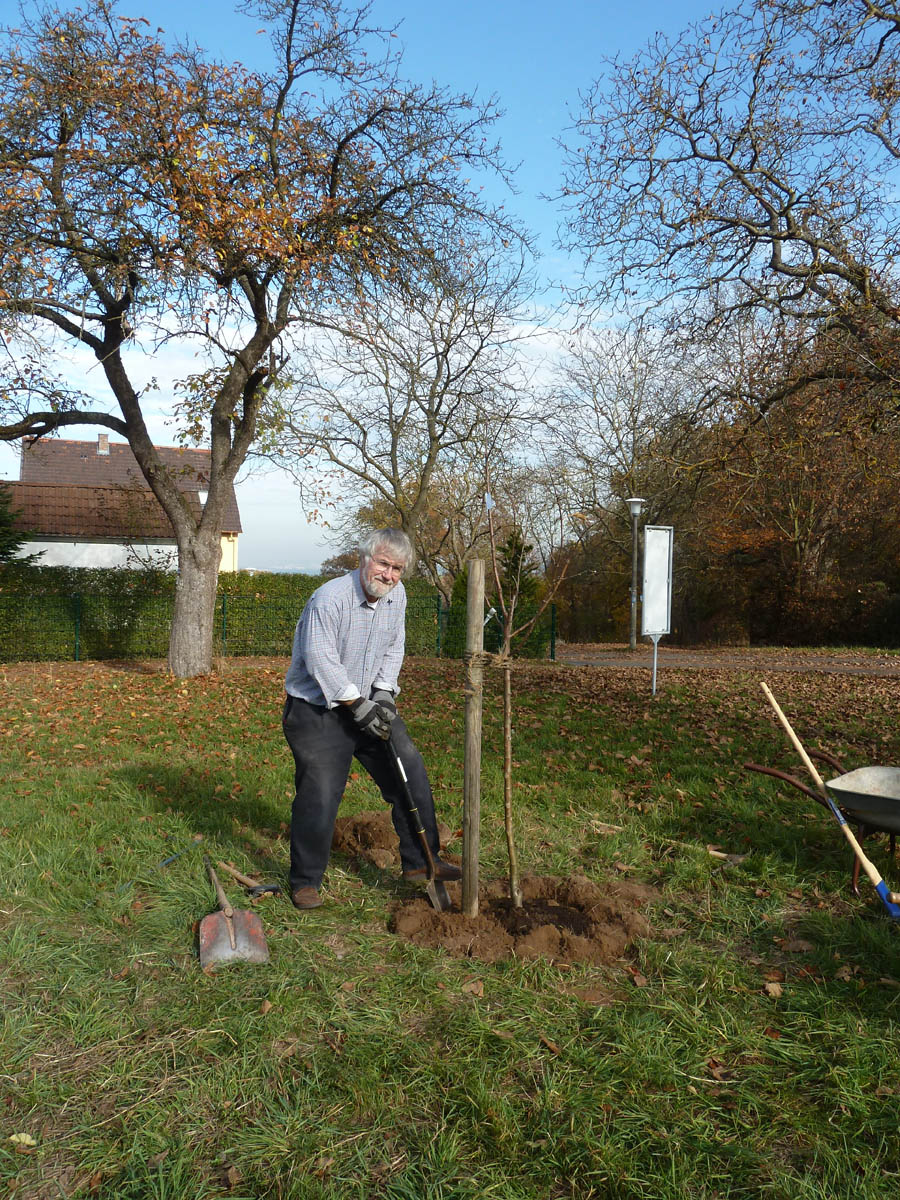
{"type": "Point", "coordinates": [635, 504]}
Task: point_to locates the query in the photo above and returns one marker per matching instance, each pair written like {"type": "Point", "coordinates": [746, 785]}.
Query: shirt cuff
{"type": "Point", "coordinates": [350, 692]}
{"type": "Point", "coordinates": [384, 686]}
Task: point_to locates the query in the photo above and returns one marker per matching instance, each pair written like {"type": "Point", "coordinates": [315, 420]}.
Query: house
{"type": "Point", "coordinates": [87, 504]}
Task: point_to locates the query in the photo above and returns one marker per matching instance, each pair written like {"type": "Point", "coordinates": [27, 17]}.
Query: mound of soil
{"type": "Point", "coordinates": [563, 920]}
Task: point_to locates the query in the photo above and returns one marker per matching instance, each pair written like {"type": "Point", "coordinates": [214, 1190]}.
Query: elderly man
{"type": "Point", "coordinates": [341, 688]}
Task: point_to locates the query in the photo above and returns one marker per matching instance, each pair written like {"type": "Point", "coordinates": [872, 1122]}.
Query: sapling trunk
{"type": "Point", "coordinates": [515, 891]}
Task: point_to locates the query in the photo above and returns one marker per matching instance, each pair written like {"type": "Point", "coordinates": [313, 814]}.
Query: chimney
{"type": "Point", "coordinates": [103, 443]}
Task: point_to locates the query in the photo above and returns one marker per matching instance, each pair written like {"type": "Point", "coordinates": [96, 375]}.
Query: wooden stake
{"type": "Point", "coordinates": [474, 707]}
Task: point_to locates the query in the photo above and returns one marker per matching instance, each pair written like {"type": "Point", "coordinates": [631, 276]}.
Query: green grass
{"type": "Point", "coordinates": [357, 1065]}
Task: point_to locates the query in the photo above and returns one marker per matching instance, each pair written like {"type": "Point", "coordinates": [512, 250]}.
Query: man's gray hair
{"type": "Point", "coordinates": [392, 541]}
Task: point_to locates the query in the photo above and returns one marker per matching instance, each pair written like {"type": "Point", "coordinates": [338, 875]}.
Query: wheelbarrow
{"type": "Point", "coordinates": [868, 797]}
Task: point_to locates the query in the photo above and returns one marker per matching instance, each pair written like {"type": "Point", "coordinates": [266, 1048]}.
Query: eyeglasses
{"type": "Point", "coordinates": [384, 564]}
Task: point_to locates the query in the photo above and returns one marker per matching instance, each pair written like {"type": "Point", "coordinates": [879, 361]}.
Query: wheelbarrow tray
{"type": "Point", "coordinates": [869, 796]}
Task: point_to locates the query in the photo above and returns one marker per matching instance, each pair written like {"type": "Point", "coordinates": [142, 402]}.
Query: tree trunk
{"type": "Point", "coordinates": [473, 716]}
{"type": "Point", "coordinates": [191, 639]}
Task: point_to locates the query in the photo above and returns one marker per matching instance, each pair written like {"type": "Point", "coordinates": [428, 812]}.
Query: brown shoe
{"type": "Point", "coordinates": [443, 871]}
{"type": "Point", "coordinates": [306, 897]}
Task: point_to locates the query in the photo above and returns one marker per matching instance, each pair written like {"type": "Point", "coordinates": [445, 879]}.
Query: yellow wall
{"type": "Point", "coordinates": [229, 552]}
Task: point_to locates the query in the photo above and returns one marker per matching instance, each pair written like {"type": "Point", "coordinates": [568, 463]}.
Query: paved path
{"type": "Point", "coordinates": [734, 658]}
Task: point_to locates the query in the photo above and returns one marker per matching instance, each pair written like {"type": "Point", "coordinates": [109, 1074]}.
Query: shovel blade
{"type": "Point", "coordinates": [438, 895]}
{"type": "Point", "coordinates": [240, 937]}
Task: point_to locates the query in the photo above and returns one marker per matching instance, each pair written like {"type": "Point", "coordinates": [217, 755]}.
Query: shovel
{"type": "Point", "coordinates": [230, 933]}
{"type": "Point", "coordinates": [435, 889]}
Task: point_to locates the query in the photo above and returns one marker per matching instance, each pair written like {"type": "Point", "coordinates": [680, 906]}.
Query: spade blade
{"type": "Point", "coordinates": [239, 937]}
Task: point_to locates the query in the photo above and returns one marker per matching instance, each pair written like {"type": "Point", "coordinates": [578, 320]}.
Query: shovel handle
{"type": "Point", "coordinates": [413, 809]}
{"type": "Point", "coordinates": [220, 893]}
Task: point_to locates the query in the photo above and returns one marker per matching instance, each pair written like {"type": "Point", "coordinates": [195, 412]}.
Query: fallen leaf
{"type": "Point", "coordinates": [266, 1006]}
{"type": "Point", "coordinates": [773, 989]}
{"type": "Point", "coordinates": [797, 946]}
{"type": "Point", "coordinates": [551, 1046]}
{"type": "Point", "coordinates": [639, 980]}
{"type": "Point", "coordinates": [717, 1069]}
{"type": "Point", "coordinates": [323, 1166]}
{"type": "Point", "coordinates": [474, 987]}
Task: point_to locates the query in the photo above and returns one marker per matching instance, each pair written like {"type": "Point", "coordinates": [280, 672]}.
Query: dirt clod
{"type": "Point", "coordinates": [370, 836]}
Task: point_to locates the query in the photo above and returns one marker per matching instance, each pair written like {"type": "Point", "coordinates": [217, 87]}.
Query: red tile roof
{"type": "Point", "coordinates": [60, 510]}
{"type": "Point", "coordinates": [106, 466]}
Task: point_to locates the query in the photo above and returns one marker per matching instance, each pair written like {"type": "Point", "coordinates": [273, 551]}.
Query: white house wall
{"type": "Point", "coordinates": [163, 555]}
{"type": "Point", "coordinates": [101, 554]}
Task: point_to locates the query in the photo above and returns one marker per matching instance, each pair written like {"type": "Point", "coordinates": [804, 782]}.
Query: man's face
{"type": "Point", "coordinates": [381, 573]}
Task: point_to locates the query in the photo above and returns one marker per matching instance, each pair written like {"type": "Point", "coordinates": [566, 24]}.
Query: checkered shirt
{"type": "Point", "coordinates": [344, 644]}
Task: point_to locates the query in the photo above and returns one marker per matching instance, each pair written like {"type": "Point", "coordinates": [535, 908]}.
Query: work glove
{"type": "Point", "coordinates": [385, 698]}
{"type": "Point", "coordinates": [372, 718]}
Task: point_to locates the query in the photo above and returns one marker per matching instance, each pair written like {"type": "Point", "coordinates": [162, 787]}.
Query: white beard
{"type": "Point", "coordinates": [378, 589]}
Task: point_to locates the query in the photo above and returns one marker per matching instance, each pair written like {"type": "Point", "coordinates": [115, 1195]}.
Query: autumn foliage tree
{"type": "Point", "coordinates": [150, 194]}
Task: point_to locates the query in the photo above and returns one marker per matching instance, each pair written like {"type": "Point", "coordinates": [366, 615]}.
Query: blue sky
{"type": "Point", "coordinates": [535, 56]}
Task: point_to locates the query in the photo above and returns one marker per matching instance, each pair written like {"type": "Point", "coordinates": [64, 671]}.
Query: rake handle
{"type": "Point", "coordinates": [807, 761]}
{"type": "Point", "coordinates": [867, 865]}
{"type": "Point", "coordinates": [236, 874]}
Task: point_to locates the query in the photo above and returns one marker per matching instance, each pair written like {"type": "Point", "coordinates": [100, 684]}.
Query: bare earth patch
{"type": "Point", "coordinates": [565, 920]}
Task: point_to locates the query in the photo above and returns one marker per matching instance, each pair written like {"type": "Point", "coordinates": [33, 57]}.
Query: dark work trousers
{"type": "Point", "coordinates": [324, 743]}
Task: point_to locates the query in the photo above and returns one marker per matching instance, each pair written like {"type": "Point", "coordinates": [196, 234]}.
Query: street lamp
{"type": "Point", "coordinates": [635, 504]}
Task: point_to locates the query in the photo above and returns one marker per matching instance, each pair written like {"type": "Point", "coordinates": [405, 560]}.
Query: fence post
{"type": "Point", "coordinates": [553, 633]}
{"type": "Point", "coordinates": [224, 624]}
{"type": "Point", "coordinates": [472, 750]}
{"type": "Point", "coordinates": [437, 609]}
{"type": "Point", "coordinates": [78, 627]}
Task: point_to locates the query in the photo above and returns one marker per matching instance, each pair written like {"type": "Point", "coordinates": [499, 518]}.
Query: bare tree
{"type": "Point", "coordinates": [402, 397]}
{"type": "Point", "coordinates": [751, 162]}
{"type": "Point", "coordinates": [150, 194]}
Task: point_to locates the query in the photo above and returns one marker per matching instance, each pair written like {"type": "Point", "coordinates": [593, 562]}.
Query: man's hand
{"type": "Point", "coordinates": [384, 698]}
{"type": "Point", "coordinates": [373, 718]}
